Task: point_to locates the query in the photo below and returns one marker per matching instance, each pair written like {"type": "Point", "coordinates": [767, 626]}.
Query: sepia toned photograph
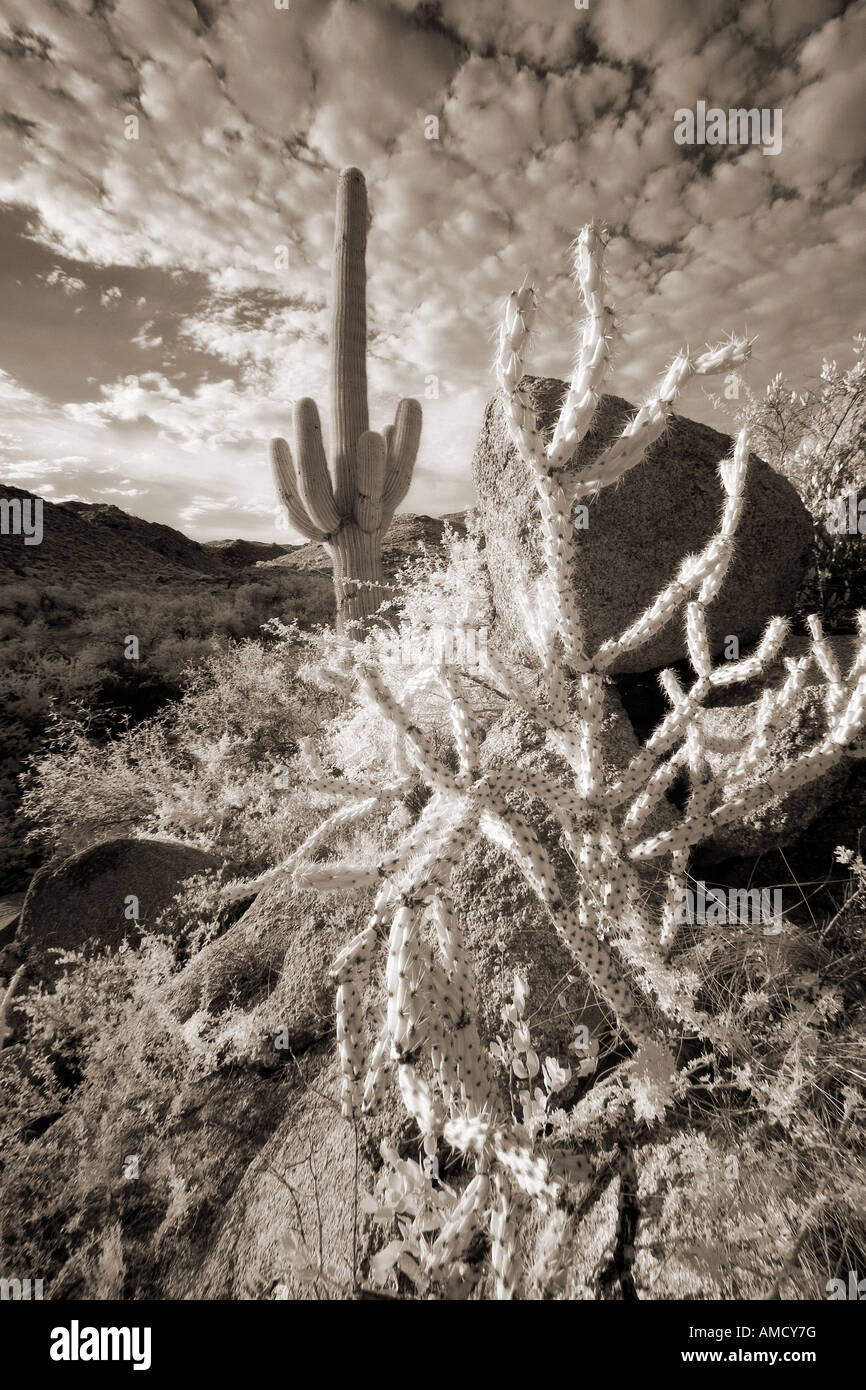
{"type": "Point", "coordinates": [433, 664]}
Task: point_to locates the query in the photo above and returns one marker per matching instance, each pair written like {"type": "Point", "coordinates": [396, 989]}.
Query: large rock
{"type": "Point", "coordinates": [303, 1185]}
{"type": "Point", "coordinates": [273, 966]}
{"type": "Point", "coordinates": [640, 531]}
{"type": "Point", "coordinates": [88, 897]}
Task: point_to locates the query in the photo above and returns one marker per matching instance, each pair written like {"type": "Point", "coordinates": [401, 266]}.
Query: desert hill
{"type": "Point", "coordinates": [241, 553]}
{"type": "Point", "coordinates": [87, 543]}
{"type": "Point", "coordinates": [92, 544]}
{"type": "Point", "coordinates": [406, 534]}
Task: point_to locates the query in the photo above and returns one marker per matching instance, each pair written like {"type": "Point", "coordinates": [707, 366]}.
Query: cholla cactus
{"type": "Point", "coordinates": [372, 471]}
{"type": "Point", "coordinates": [430, 982]}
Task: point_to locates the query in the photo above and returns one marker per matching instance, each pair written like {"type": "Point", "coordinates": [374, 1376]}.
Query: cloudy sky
{"type": "Point", "coordinates": [153, 338]}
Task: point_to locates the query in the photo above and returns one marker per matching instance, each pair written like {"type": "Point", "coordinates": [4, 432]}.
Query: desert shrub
{"type": "Point", "coordinates": [102, 1069]}
{"type": "Point", "coordinates": [108, 1170]}
{"type": "Point", "coordinates": [221, 764]}
{"type": "Point", "coordinates": [216, 768]}
{"type": "Point", "coordinates": [440, 604]}
{"type": "Point", "coordinates": [31, 686]}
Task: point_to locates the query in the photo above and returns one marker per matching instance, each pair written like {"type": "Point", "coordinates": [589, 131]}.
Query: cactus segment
{"type": "Point", "coordinates": [287, 490]}
{"type": "Point", "coordinates": [371, 477]}
{"type": "Point", "coordinates": [371, 472]}
{"type": "Point", "coordinates": [314, 480]}
{"type": "Point", "coordinates": [403, 448]}
{"type": "Point", "coordinates": [348, 380]}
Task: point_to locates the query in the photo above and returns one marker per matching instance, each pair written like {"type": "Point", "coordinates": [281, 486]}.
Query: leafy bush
{"type": "Point", "coordinates": [109, 1171]}
{"type": "Point", "coordinates": [215, 768]}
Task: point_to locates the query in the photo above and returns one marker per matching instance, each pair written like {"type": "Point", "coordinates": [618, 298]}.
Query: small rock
{"type": "Point", "coordinates": [106, 893]}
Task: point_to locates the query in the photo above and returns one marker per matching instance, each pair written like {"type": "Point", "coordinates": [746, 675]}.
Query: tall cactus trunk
{"type": "Point", "coordinates": [358, 582]}
{"type": "Point", "coordinates": [348, 378]}
{"type": "Point", "coordinates": [356, 554]}
{"type": "Point", "coordinates": [372, 471]}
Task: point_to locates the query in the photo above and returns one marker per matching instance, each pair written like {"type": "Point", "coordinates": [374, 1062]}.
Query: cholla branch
{"type": "Point", "coordinates": [354, 811]}
{"type": "Point", "coordinates": [594, 358]}
{"type": "Point", "coordinates": [652, 419]}
{"type": "Point", "coordinates": [703, 572]}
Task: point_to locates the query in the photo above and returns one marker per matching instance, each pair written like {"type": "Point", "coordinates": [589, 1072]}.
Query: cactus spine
{"type": "Point", "coordinates": [372, 471]}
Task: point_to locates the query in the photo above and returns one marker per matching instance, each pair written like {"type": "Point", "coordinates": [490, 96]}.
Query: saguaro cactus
{"type": "Point", "coordinates": [372, 471]}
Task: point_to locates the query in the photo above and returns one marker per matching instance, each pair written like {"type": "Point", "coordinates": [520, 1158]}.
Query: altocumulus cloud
{"type": "Point", "coordinates": [547, 115]}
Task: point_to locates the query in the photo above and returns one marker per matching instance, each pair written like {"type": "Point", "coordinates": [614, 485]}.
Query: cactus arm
{"type": "Point", "coordinates": [822, 654]}
{"type": "Point", "coordinates": [314, 481]}
{"type": "Point", "coordinates": [704, 571]}
{"type": "Point", "coordinates": [403, 441]}
{"type": "Point", "coordinates": [287, 490]}
{"type": "Point", "coordinates": [514, 335]}
{"type": "Point", "coordinates": [371, 477]}
{"type": "Point", "coordinates": [348, 339]}
{"type": "Point", "coordinates": [594, 357]}
{"type": "Point", "coordinates": [652, 418]}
